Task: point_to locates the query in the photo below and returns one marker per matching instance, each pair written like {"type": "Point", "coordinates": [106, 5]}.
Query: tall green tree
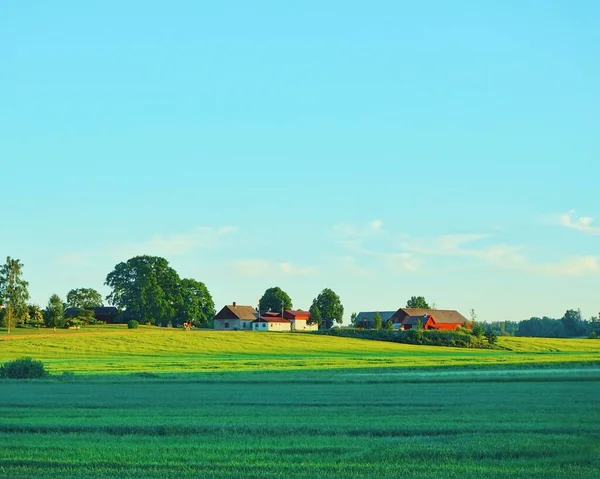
{"type": "Point", "coordinates": [377, 321]}
{"type": "Point", "coordinates": [197, 304]}
{"type": "Point", "coordinates": [417, 302]}
{"type": "Point", "coordinates": [35, 314]}
{"type": "Point", "coordinates": [330, 307]}
{"type": "Point", "coordinates": [54, 315]}
{"type": "Point", "coordinates": [573, 323]}
{"type": "Point", "coordinates": [147, 288]}
{"type": "Point", "coordinates": [354, 319]}
{"type": "Point", "coordinates": [84, 298]}
{"type": "Point", "coordinates": [275, 299]}
{"type": "Point", "coordinates": [315, 314]}
{"type": "Point", "coordinates": [13, 292]}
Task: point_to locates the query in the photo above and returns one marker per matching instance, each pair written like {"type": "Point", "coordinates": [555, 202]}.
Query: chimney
{"type": "Point", "coordinates": [234, 303]}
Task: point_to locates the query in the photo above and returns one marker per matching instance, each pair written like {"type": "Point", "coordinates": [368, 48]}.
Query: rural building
{"type": "Point", "coordinates": [235, 317]}
{"type": "Point", "coordinates": [299, 319]}
{"type": "Point", "coordinates": [408, 318]}
{"type": "Point", "coordinates": [271, 322]}
{"type": "Point", "coordinates": [364, 319]}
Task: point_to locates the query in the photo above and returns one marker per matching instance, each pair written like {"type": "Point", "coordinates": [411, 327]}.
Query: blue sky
{"type": "Point", "coordinates": [383, 149]}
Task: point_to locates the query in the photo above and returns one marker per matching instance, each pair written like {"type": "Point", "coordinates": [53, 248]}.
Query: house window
{"type": "Point", "coordinates": [226, 325]}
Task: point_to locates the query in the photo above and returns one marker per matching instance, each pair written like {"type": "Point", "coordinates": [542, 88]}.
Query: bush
{"type": "Point", "coordinates": [23, 368]}
{"type": "Point", "coordinates": [132, 324]}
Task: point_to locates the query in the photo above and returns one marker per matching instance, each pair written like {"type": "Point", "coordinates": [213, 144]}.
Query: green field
{"type": "Point", "coordinates": [115, 349]}
{"type": "Point", "coordinates": [156, 403]}
{"type": "Point", "coordinates": [354, 423]}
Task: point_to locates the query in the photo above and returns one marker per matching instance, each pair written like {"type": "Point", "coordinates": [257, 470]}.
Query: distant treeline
{"type": "Point", "coordinates": [571, 325]}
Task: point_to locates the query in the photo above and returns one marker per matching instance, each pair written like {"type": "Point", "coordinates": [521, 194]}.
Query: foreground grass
{"type": "Point", "coordinates": [115, 349]}
{"type": "Point", "coordinates": [352, 423]}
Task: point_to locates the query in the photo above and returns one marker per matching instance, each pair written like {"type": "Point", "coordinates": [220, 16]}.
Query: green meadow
{"type": "Point", "coordinates": [115, 349]}
{"type": "Point", "coordinates": [156, 403]}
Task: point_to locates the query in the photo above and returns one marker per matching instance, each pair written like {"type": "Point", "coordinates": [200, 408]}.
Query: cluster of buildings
{"type": "Point", "coordinates": [235, 317]}
{"type": "Point", "coordinates": [409, 318]}
{"type": "Point", "coordinates": [238, 317]}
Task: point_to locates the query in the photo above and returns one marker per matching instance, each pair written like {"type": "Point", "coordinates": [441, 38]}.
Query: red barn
{"type": "Point", "coordinates": [441, 319]}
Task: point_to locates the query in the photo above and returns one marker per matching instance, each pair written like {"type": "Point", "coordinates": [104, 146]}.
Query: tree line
{"type": "Point", "coordinates": [145, 289]}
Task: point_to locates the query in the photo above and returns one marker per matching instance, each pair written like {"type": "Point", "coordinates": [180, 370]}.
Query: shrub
{"type": "Point", "coordinates": [23, 368]}
{"type": "Point", "coordinates": [132, 324]}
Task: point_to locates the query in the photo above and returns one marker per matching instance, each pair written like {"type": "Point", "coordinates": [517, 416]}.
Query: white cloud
{"type": "Point", "coordinates": [177, 244]}
{"type": "Point", "coordinates": [346, 230]}
{"type": "Point", "coordinates": [262, 268]}
{"type": "Point", "coordinates": [501, 255]}
{"type": "Point", "coordinates": [583, 223]}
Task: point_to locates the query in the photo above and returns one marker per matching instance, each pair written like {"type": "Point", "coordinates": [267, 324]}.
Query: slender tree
{"type": "Point", "coordinates": [377, 322]}
{"type": "Point", "coordinates": [54, 316]}
{"type": "Point", "coordinates": [13, 291]}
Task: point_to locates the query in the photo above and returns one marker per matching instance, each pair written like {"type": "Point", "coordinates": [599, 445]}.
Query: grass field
{"type": "Point", "coordinates": [307, 424]}
{"type": "Point", "coordinates": [115, 349]}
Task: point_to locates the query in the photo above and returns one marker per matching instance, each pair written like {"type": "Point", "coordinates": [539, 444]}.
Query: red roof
{"type": "Point", "coordinates": [270, 319]}
{"type": "Point", "coordinates": [296, 314]}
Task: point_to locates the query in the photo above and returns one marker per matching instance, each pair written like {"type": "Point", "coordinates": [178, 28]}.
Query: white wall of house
{"type": "Point", "coordinates": [232, 324]}
{"type": "Point", "coordinates": [280, 326]}
{"type": "Point", "coordinates": [300, 325]}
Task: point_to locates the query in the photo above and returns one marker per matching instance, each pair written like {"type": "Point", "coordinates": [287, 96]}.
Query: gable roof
{"type": "Point", "coordinates": [231, 311]}
{"type": "Point", "coordinates": [296, 313]}
{"type": "Point", "coordinates": [271, 319]}
{"type": "Point", "coordinates": [440, 316]}
{"type": "Point", "coordinates": [367, 316]}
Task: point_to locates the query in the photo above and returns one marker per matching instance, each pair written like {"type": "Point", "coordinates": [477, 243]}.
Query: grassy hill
{"type": "Point", "coordinates": [115, 349]}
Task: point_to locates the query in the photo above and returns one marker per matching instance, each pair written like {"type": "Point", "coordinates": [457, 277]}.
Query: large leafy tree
{"type": "Point", "coordinates": [197, 304]}
{"type": "Point", "coordinates": [275, 299]}
{"type": "Point", "coordinates": [573, 323]}
{"type": "Point", "coordinates": [417, 302]}
{"type": "Point", "coordinates": [329, 306]}
{"type": "Point", "coordinates": [377, 321]}
{"type": "Point", "coordinates": [147, 288]}
{"type": "Point", "coordinates": [54, 315]}
{"type": "Point", "coordinates": [13, 292]}
{"type": "Point", "coordinates": [84, 298]}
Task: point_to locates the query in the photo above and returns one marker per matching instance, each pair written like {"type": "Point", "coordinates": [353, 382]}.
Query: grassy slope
{"type": "Point", "coordinates": [303, 424]}
{"type": "Point", "coordinates": [116, 349]}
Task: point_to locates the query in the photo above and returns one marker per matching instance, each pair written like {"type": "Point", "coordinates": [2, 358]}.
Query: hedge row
{"type": "Point", "coordinates": [413, 336]}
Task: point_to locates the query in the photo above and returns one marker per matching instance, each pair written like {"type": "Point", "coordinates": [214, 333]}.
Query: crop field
{"type": "Point", "coordinates": [306, 424]}
{"type": "Point", "coordinates": [115, 349]}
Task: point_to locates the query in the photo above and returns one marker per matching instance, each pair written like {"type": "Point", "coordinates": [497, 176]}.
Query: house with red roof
{"type": "Point", "coordinates": [445, 319]}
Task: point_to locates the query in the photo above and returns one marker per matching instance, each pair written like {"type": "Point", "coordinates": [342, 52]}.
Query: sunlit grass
{"type": "Point", "coordinates": [115, 349]}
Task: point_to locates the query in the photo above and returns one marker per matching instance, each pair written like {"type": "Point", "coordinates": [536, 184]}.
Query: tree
{"type": "Point", "coordinates": [147, 287]}
{"type": "Point", "coordinates": [573, 323]}
{"type": "Point", "coordinates": [477, 330]}
{"type": "Point", "coordinates": [84, 298]}
{"type": "Point", "coordinates": [275, 299]}
{"type": "Point", "coordinates": [54, 316]}
{"type": "Point", "coordinates": [197, 304]}
{"type": "Point", "coordinates": [417, 302]}
{"type": "Point", "coordinates": [377, 322]}
{"type": "Point", "coordinates": [13, 292]}
{"type": "Point", "coordinates": [330, 307]}
{"type": "Point", "coordinates": [315, 315]}
{"type": "Point", "coordinates": [36, 316]}
{"type": "Point", "coordinates": [354, 319]}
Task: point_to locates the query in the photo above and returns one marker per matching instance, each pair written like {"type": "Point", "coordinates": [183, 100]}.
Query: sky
{"type": "Point", "coordinates": [382, 149]}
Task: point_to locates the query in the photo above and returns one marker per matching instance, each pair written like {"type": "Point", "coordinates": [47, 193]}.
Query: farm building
{"type": "Point", "coordinates": [408, 318]}
{"type": "Point", "coordinates": [235, 316]}
{"type": "Point", "coordinates": [364, 319]}
{"type": "Point", "coordinates": [292, 320]}
{"type": "Point", "coordinates": [299, 319]}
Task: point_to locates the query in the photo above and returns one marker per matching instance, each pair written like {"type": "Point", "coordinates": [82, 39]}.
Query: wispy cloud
{"type": "Point", "coordinates": [347, 230]}
{"type": "Point", "coordinates": [503, 256]}
{"type": "Point", "coordinates": [261, 268]}
{"type": "Point", "coordinates": [583, 223]}
{"type": "Point", "coordinates": [160, 245]}
{"type": "Point", "coordinates": [177, 244]}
